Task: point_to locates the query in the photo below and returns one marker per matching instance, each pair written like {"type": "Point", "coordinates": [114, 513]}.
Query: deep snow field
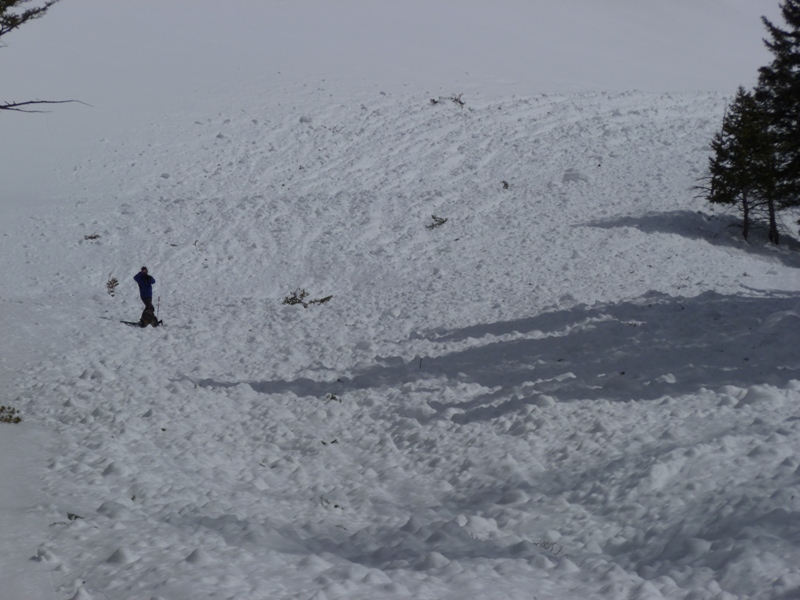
{"type": "Point", "coordinates": [583, 385]}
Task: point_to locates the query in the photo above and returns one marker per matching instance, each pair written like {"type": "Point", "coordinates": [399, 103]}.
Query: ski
{"type": "Point", "coordinates": [138, 324]}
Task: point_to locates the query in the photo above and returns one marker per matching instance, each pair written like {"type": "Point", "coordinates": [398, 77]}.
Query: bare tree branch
{"type": "Point", "coordinates": [12, 16]}
{"type": "Point", "coordinates": [22, 106]}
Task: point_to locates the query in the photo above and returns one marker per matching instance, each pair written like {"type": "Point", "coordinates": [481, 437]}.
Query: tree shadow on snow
{"type": "Point", "coordinates": [640, 350]}
{"type": "Point", "coordinates": [719, 230]}
{"type": "Point", "coordinates": [644, 349]}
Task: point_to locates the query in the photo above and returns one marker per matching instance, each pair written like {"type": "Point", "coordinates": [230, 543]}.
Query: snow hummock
{"type": "Point", "coordinates": [583, 384]}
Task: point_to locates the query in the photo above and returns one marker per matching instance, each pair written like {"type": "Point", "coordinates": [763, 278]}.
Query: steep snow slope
{"type": "Point", "coordinates": [583, 385]}
{"type": "Point", "coordinates": [132, 61]}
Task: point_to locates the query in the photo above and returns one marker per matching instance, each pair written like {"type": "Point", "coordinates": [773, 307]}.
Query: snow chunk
{"type": "Point", "coordinates": [544, 401]}
{"type": "Point", "coordinates": [552, 536]}
{"type": "Point", "coordinates": [375, 577]}
{"type": "Point", "coordinates": [763, 394]}
{"type": "Point", "coordinates": [434, 560]}
{"type": "Point", "coordinates": [661, 473]}
{"type": "Point", "coordinates": [199, 557]}
{"type": "Point", "coordinates": [646, 591]}
{"type": "Point", "coordinates": [122, 556]}
{"type": "Point", "coordinates": [81, 594]}
{"type": "Point", "coordinates": [565, 565]}
{"type": "Point", "coordinates": [43, 554]}
{"type": "Point", "coordinates": [480, 528]}
{"type": "Point", "coordinates": [315, 562]}
{"type": "Point", "coordinates": [115, 469]}
{"type": "Point", "coordinates": [574, 176]}
{"type": "Point", "coordinates": [513, 497]}
{"type": "Point", "coordinates": [114, 510]}
{"type": "Point", "coordinates": [541, 562]}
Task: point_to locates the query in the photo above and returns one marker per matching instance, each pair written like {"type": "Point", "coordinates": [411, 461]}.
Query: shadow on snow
{"type": "Point", "coordinates": [644, 349]}
{"type": "Point", "coordinates": [719, 230]}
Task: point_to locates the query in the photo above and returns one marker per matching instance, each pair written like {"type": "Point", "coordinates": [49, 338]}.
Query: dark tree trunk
{"type": "Point", "coordinates": [745, 216]}
{"type": "Point", "coordinates": [773, 224]}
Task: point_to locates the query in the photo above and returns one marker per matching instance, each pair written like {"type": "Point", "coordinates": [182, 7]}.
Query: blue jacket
{"type": "Point", "coordinates": [145, 284]}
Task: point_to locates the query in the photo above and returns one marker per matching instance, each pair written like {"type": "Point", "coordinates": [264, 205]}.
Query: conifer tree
{"type": "Point", "coordinates": [742, 168]}
{"type": "Point", "coordinates": [778, 91]}
{"type": "Point", "coordinates": [14, 14]}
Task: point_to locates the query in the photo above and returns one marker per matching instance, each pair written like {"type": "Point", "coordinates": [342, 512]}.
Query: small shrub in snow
{"type": "Point", "coordinates": [296, 297]}
{"type": "Point", "coordinates": [551, 546]}
{"type": "Point", "coordinates": [437, 222]}
{"type": "Point", "coordinates": [111, 286]}
{"type": "Point", "coordinates": [91, 236]}
{"type": "Point", "coordinates": [299, 297]}
{"type": "Point", "coordinates": [328, 504]}
{"type": "Point", "coordinates": [333, 397]}
{"type": "Point", "coordinates": [9, 414]}
{"type": "Point", "coordinates": [318, 301]}
{"type": "Point", "coordinates": [458, 101]}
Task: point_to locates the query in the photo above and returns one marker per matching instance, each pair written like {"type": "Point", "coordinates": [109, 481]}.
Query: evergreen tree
{"type": "Point", "coordinates": [14, 14]}
{"type": "Point", "coordinates": [779, 92]}
{"type": "Point", "coordinates": [742, 168]}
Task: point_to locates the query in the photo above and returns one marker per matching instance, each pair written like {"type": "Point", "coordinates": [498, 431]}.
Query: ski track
{"type": "Point", "coordinates": [571, 389]}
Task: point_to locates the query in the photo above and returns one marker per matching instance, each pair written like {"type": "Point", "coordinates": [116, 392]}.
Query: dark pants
{"type": "Point", "coordinates": [148, 303]}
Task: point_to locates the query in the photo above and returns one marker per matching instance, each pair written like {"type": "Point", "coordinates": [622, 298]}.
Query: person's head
{"type": "Point", "coordinates": [144, 270]}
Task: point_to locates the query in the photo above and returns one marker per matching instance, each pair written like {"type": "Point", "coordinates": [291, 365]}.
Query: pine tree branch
{"type": "Point", "coordinates": [10, 21]}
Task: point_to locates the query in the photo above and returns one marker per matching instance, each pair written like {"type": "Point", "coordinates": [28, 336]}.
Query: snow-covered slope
{"type": "Point", "coordinates": [582, 385]}
{"type": "Point", "coordinates": [132, 61]}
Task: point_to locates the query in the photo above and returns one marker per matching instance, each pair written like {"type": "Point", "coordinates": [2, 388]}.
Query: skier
{"type": "Point", "coordinates": [145, 282]}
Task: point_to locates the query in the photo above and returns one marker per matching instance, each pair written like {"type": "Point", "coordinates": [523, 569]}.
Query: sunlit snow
{"type": "Point", "coordinates": [578, 382]}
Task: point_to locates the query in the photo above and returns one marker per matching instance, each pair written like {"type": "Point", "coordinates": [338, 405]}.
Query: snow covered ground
{"type": "Point", "coordinates": [583, 384]}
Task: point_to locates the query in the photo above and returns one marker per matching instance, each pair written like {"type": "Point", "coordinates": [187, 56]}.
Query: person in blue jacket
{"type": "Point", "coordinates": [145, 282]}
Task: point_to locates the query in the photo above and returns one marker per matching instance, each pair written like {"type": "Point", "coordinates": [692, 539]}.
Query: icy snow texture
{"type": "Point", "coordinates": [582, 385]}
{"type": "Point", "coordinates": [569, 387]}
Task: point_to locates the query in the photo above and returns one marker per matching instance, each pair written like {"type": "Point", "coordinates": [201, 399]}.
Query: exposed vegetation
{"type": "Point", "coordinates": [755, 165]}
{"type": "Point", "coordinates": [9, 414]}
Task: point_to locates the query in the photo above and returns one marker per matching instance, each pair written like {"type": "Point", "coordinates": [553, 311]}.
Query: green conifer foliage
{"type": "Point", "coordinates": [13, 13]}
{"type": "Point", "coordinates": [778, 91]}
{"type": "Point", "coordinates": [742, 168]}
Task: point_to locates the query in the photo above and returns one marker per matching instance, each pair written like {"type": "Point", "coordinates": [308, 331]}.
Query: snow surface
{"type": "Point", "coordinates": [583, 384]}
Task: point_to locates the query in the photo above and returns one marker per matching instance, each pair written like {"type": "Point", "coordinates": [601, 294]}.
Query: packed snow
{"type": "Point", "coordinates": [544, 368]}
